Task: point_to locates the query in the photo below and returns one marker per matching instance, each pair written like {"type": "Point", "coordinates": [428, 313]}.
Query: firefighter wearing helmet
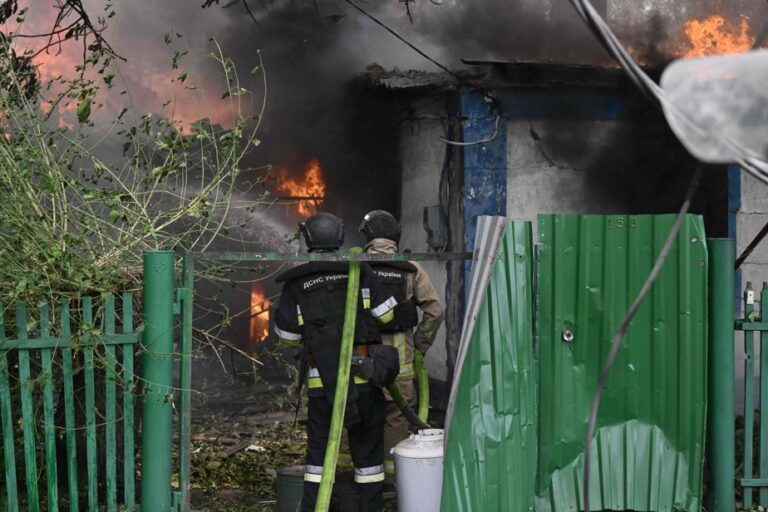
{"type": "Point", "coordinates": [412, 288]}
{"type": "Point", "coordinates": [311, 314]}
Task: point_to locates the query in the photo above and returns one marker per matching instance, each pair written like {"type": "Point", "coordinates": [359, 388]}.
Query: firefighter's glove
{"type": "Point", "coordinates": [362, 366]}
{"type": "Point", "coordinates": [386, 364]}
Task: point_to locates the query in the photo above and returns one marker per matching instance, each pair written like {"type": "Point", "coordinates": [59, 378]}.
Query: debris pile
{"type": "Point", "coordinates": [235, 470]}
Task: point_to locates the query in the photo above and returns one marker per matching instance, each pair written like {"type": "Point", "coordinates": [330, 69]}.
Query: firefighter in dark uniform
{"type": "Point", "coordinates": [311, 312]}
{"type": "Point", "coordinates": [412, 288]}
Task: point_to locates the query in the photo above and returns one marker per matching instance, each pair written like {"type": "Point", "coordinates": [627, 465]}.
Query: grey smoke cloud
{"type": "Point", "coordinates": [311, 51]}
{"type": "Point", "coordinates": [313, 46]}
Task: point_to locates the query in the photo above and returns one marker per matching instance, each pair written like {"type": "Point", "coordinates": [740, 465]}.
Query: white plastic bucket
{"type": "Point", "coordinates": [419, 471]}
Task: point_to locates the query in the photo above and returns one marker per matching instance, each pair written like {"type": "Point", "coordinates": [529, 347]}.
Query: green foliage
{"type": "Point", "coordinates": [76, 215]}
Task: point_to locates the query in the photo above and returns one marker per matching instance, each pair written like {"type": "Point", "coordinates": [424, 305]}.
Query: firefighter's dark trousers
{"type": "Point", "coordinates": [366, 442]}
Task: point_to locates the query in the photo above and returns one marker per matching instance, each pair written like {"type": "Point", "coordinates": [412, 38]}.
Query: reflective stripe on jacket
{"type": "Point", "coordinates": [420, 288]}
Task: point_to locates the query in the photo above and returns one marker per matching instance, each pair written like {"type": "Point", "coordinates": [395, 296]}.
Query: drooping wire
{"type": "Point", "coordinates": [484, 140]}
{"type": "Point", "coordinates": [460, 79]}
{"type": "Point", "coordinates": [622, 330]}
{"type": "Point", "coordinates": [402, 39]}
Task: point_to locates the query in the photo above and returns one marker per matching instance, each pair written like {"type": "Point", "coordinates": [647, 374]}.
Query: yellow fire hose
{"type": "Point", "coordinates": [342, 382]}
{"type": "Point", "coordinates": [423, 380]}
{"type": "Point", "coordinates": [405, 409]}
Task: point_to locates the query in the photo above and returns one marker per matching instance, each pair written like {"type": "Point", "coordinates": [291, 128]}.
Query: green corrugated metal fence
{"type": "Point", "coordinates": [649, 448]}
{"type": "Point", "coordinates": [40, 359]}
{"type": "Point", "coordinates": [491, 447]}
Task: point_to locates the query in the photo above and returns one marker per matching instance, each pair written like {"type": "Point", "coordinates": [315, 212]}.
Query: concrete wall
{"type": "Point", "coordinates": [750, 219]}
{"type": "Point", "coordinates": [751, 216]}
{"type": "Point", "coordinates": [625, 162]}
{"type": "Point", "coordinates": [540, 182]}
{"type": "Point", "coordinates": [422, 157]}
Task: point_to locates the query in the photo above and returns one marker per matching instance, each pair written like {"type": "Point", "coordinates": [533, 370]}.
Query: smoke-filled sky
{"type": "Point", "coordinates": [311, 46]}
{"type": "Point", "coordinates": [311, 50]}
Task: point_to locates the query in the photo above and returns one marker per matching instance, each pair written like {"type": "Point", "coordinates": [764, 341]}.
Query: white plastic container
{"type": "Point", "coordinates": [419, 471]}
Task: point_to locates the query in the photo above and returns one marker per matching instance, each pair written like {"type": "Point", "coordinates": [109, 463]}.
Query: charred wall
{"type": "Point", "coordinates": [578, 149]}
{"type": "Point", "coordinates": [627, 161]}
{"type": "Point", "coordinates": [425, 164]}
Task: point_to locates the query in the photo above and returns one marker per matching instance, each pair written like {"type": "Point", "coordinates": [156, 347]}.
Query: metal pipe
{"type": "Point", "coordinates": [342, 384]}
{"type": "Point", "coordinates": [185, 376]}
{"type": "Point", "coordinates": [331, 256]}
{"type": "Point", "coordinates": [721, 412]}
{"type": "Point", "coordinates": [763, 392]}
{"type": "Point", "coordinates": [157, 409]}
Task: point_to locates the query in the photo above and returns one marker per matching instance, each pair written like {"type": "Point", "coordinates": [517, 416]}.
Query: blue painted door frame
{"type": "Point", "coordinates": [485, 165]}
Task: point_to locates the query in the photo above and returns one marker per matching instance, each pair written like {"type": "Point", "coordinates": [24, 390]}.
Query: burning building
{"type": "Point", "coordinates": [307, 191]}
{"type": "Point", "coordinates": [535, 119]}
{"type": "Point", "coordinates": [520, 137]}
{"type": "Point", "coordinates": [259, 318]}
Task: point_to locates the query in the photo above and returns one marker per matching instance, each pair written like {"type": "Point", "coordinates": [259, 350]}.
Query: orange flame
{"type": "Point", "coordinates": [259, 317]}
{"type": "Point", "coordinates": [154, 88]}
{"type": "Point", "coordinates": [308, 190]}
{"type": "Point", "coordinates": [716, 36]}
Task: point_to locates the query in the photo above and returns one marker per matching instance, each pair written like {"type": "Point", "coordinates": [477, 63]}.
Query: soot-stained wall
{"type": "Point", "coordinates": [422, 157]}
{"type": "Point", "coordinates": [621, 160]}
{"type": "Point", "coordinates": [568, 150]}
{"type": "Point", "coordinates": [750, 214]}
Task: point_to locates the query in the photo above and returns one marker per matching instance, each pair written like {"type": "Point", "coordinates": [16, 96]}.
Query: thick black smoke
{"type": "Point", "coordinates": [311, 52]}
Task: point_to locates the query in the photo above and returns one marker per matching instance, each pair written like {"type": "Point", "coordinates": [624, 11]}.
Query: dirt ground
{"type": "Point", "coordinates": [234, 464]}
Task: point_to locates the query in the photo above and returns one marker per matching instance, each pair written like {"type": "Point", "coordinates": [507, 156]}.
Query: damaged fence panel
{"type": "Point", "coordinates": [491, 445]}
{"type": "Point", "coordinates": [649, 444]}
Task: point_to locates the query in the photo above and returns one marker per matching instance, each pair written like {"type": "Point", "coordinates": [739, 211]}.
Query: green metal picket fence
{"type": "Point", "coordinates": [69, 395]}
{"type": "Point", "coordinates": [755, 323]}
{"type": "Point", "coordinates": [39, 355]}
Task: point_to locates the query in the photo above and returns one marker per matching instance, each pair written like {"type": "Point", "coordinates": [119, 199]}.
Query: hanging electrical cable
{"type": "Point", "coordinates": [475, 142]}
{"type": "Point", "coordinates": [401, 38]}
{"type": "Point", "coordinates": [460, 79]}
